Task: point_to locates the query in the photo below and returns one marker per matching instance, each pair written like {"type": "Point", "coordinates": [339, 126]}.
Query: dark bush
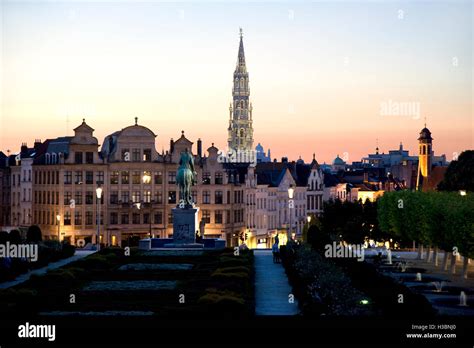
{"type": "Point", "coordinates": [4, 237]}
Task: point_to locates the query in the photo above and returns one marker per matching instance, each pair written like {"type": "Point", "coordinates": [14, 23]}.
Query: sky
{"type": "Point", "coordinates": [325, 77]}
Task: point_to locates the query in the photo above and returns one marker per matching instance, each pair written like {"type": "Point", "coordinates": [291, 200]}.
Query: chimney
{"type": "Point", "coordinates": [37, 144]}
{"type": "Point", "coordinates": [24, 148]}
{"type": "Point", "coordinates": [199, 147]}
{"type": "Point", "coordinates": [171, 145]}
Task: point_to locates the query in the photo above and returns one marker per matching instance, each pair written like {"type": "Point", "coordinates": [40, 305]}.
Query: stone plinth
{"type": "Point", "coordinates": [185, 225]}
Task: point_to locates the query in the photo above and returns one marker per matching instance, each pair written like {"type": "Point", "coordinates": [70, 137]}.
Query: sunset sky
{"type": "Point", "coordinates": [320, 73]}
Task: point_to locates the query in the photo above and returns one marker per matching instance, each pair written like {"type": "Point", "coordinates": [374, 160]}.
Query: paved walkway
{"type": "Point", "coordinates": [271, 287]}
{"type": "Point", "coordinates": [24, 277]}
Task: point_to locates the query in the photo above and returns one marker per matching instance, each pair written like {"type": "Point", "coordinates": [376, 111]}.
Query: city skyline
{"type": "Point", "coordinates": [329, 83]}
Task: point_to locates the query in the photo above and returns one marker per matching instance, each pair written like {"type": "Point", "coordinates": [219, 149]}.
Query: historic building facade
{"type": "Point", "coordinates": [269, 211]}
{"type": "Point", "coordinates": [138, 188]}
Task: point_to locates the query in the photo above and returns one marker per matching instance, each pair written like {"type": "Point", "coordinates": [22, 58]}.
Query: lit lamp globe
{"type": "Point", "coordinates": [291, 191]}
{"type": "Point", "coordinates": [146, 178]}
{"type": "Point", "coordinates": [98, 192]}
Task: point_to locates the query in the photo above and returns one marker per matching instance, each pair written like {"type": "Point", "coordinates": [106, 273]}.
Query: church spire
{"type": "Point", "coordinates": [241, 56]}
{"type": "Point", "coordinates": [240, 123]}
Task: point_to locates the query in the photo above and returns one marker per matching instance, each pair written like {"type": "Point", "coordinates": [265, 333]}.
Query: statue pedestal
{"type": "Point", "coordinates": [185, 225]}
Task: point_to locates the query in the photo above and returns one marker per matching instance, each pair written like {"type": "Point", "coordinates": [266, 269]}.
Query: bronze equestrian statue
{"type": "Point", "coordinates": [185, 178]}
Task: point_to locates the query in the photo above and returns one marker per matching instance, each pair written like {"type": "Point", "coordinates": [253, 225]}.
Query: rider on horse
{"type": "Point", "coordinates": [185, 178]}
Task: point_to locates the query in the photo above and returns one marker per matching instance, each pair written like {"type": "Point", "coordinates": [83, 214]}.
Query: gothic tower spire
{"type": "Point", "coordinates": [240, 123]}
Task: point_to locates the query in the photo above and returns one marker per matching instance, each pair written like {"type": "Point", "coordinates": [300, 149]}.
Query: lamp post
{"type": "Point", "coordinates": [58, 219]}
{"type": "Point", "coordinates": [291, 204]}
{"type": "Point", "coordinates": [147, 180]}
{"type": "Point", "coordinates": [98, 192]}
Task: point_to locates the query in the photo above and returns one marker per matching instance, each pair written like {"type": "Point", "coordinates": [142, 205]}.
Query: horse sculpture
{"type": "Point", "coordinates": [185, 178]}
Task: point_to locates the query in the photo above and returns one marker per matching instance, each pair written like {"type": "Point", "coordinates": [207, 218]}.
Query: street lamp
{"type": "Point", "coordinates": [462, 192]}
{"type": "Point", "coordinates": [308, 218]}
{"type": "Point", "coordinates": [98, 192]}
{"type": "Point", "coordinates": [291, 204]}
{"type": "Point", "coordinates": [58, 219]}
{"type": "Point", "coordinates": [147, 180]}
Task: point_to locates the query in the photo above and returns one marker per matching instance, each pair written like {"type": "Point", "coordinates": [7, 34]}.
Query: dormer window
{"type": "Point", "coordinates": [89, 157]}
{"type": "Point", "coordinates": [78, 158]}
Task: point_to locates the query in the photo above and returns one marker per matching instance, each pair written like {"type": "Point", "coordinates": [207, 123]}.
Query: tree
{"type": "Point", "coordinates": [460, 174]}
{"type": "Point", "coordinates": [34, 234]}
{"type": "Point", "coordinates": [15, 237]}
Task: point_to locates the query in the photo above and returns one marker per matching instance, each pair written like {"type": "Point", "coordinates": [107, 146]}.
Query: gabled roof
{"type": "Point", "coordinates": [272, 173]}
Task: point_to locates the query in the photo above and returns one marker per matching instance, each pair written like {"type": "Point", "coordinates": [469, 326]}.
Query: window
{"type": "Point", "coordinates": [125, 219]}
{"type": "Point", "coordinates": [89, 218]}
{"type": "Point", "coordinates": [136, 178]}
{"type": "Point", "coordinates": [159, 197]}
{"type": "Point", "coordinates": [158, 178]}
{"type": "Point", "coordinates": [89, 177]}
{"type": "Point", "coordinates": [228, 197]}
{"type": "Point", "coordinates": [78, 218]}
{"type": "Point", "coordinates": [219, 180]}
{"type": "Point", "coordinates": [172, 197]}
{"type": "Point", "coordinates": [147, 155]}
{"type": "Point", "coordinates": [146, 218]}
{"type": "Point", "coordinates": [206, 197]}
{"type": "Point", "coordinates": [78, 198]}
{"type": "Point", "coordinates": [114, 197]}
{"type": "Point", "coordinates": [67, 177]}
{"type": "Point", "coordinates": [227, 216]}
{"type": "Point", "coordinates": [206, 216]}
{"type": "Point", "coordinates": [218, 217]}
{"type": "Point", "coordinates": [89, 197]}
{"type": "Point", "coordinates": [100, 177]}
{"type": "Point", "coordinates": [206, 178]}
{"type": "Point", "coordinates": [89, 157]}
{"type": "Point", "coordinates": [125, 177]}
{"type": "Point", "coordinates": [171, 177]}
{"type": "Point", "coordinates": [67, 198]}
{"type": "Point", "coordinates": [125, 196]}
{"type": "Point", "coordinates": [78, 158]}
{"type": "Point", "coordinates": [170, 218]}
{"type": "Point", "coordinates": [147, 196]}
{"type": "Point", "coordinates": [135, 218]}
{"type": "Point", "coordinates": [136, 196]}
{"type": "Point", "coordinates": [136, 155]}
{"type": "Point", "coordinates": [159, 217]}
{"type": "Point", "coordinates": [113, 218]}
{"type": "Point", "coordinates": [218, 197]}
{"type": "Point", "coordinates": [114, 178]}
{"type": "Point", "coordinates": [78, 177]}
{"type": "Point", "coordinates": [194, 196]}
{"type": "Point", "coordinates": [67, 218]}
